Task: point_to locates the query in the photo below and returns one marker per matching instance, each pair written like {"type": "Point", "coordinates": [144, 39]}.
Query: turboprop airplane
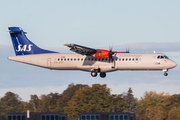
{"type": "Point", "coordinates": [85, 59]}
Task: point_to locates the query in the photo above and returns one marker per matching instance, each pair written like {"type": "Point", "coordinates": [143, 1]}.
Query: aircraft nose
{"type": "Point", "coordinates": [173, 64]}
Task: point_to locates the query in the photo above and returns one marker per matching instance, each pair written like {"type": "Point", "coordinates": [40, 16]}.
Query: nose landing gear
{"type": "Point", "coordinates": [165, 74]}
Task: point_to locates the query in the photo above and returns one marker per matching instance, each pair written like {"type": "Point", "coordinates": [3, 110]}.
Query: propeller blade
{"type": "Point", "coordinates": [111, 53]}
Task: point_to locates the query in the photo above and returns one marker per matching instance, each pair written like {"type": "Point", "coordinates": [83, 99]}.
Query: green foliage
{"type": "Point", "coordinates": [53, 102]}
{"type": "Point", "coordinates": [98, 98]}
{"type": "Point", "coordinates": [10, 103]}
{"type": "Point", "coordinates": [68, 94]}
{"type": "Point", "coordinates": [154, 106]}
{"type": "Point", "coordinates": [48, 103]}
{"type": "Point", "coordinates": [2, 117]}
{"type": "Point", "coordinates": [174, 114]}
{"type": "Point", "coordinates": [93, 99]}
{"type": "Point", "coordinates": [130, 102]}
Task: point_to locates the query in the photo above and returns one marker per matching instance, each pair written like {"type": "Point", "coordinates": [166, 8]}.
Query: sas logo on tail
{"type": "Point", "coordinates": [24, 48]}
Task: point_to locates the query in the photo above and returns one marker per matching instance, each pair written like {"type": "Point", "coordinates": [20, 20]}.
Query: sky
{"type": "Point", "coordinates": [140, 26]}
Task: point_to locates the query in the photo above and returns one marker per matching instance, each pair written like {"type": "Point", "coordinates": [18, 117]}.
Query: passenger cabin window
{"type": "Point", "coordinates": [74, 59]}
{"type": "Point", "coordinates": [68, 59]}
{"type": "Point", "coordinates": [81, 59]}
{"type": "Point", "coordinates": [78, 59]}
{"type": "Point", "coordinates": [64, 59]}
{"type": "Point", "coordinates": [119, 59]}
{"type": "Point", "coordinates": [123, 59]}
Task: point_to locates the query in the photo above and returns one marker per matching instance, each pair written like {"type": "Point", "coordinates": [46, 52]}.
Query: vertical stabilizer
{"type": "Point", "coordinates": [21, 44]}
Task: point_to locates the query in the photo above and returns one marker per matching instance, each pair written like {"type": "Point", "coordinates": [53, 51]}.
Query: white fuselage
{"type": "Point", "coordinates": [122, 61]}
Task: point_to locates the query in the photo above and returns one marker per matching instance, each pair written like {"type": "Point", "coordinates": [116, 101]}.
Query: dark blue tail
{"type": "Point", "coordinates": [23, 46]}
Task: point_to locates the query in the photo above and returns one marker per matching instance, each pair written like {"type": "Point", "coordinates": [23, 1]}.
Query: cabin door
{"type": "Point", "coordinates": [49, 62]}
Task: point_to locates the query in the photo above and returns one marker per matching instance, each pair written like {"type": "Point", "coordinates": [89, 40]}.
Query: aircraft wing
{"type": "Point", "coordinates": [81, 49]}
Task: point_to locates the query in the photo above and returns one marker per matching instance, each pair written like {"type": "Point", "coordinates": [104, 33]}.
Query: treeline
{"type": "Point", "coordinates": [98, 98]}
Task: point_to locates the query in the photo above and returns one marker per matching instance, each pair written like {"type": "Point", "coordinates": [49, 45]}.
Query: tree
{"type": "Point", "coordinates": [130, 102]}
{"type": "Point", "coordinates": [2, 117]}
{"type": "Point", "coordinates": [67, 95]}
{"type": "Point", "coordinates": [151, 105]}
{"type": "Point", "coordinates": [34, 101]}
{"type": "Point", "coordinates": [174, 114]}
{"type": "Point", "coordinates": [32, 105]}
{"type": "Point", "coordinates": [48, 103]}
{"type": "Point", "coordinates": [11, 102]}
{"type": "Point", "coordinates": [93, 99]}
{"type": "Point", "coordinates": [28, 106]}
{"type": "Point", "coordinates": [170, 104]}
{"type": "Point", "coordinates": [156, 113]}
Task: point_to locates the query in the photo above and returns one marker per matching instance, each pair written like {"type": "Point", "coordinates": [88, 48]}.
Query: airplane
{"type": "Point", "coordinates": [84, 58]}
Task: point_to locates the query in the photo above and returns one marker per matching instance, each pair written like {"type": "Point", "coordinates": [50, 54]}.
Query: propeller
{"type": "Point", "coordinates": [127, 50]}
{"type": "Point", "coordinates": [111, 53]}
{"type": "Point", "coordinates": [114, 60]}
{"type": "Point", "coordinates": [111, 57]}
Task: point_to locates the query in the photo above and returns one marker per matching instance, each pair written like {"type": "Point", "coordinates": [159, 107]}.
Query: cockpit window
{"type": "Point", "coordinates": [162, 57]}
{"type": "Point", "coordinates": [166, 57]}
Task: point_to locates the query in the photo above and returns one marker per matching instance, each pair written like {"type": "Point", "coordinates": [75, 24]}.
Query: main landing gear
{"type": "Point", "coordinates": [93, 74]}
{"type": "Point", "coordinates": [102, 74]}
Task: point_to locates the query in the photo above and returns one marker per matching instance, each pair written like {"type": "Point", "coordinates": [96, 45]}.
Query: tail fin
{"type": "Point", "coordinates": [23, 46]}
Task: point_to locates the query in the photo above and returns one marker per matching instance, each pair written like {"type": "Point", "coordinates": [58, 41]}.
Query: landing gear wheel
{"type": "Point", "coordinates": [165, 74]}
{"type": "Point", "coordinates": [93, 74]}
{"type": "Point", "coordinates": [103, 75]}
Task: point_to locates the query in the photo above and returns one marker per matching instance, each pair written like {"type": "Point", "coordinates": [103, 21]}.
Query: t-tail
{"type": "Point", "coordinates": [23, 46]}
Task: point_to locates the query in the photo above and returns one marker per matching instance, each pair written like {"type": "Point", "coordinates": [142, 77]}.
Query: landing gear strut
{"type": "Point", "coordinates": [165, 72]}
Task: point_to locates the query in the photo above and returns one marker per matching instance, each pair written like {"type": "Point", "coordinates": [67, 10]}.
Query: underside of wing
{"type": "Point", "coordinates": [81, 49]}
